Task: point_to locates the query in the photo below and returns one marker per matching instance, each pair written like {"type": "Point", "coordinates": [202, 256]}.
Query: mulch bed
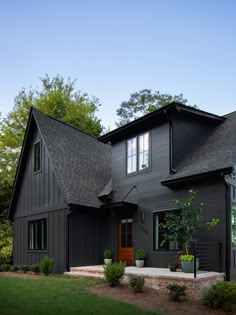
{"type": "Point", "coordinates": [153, 300]}
{"type": "Point", "coordinates": [150, 299]}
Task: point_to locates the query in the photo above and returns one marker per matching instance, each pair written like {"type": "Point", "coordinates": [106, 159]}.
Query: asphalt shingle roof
{"type": "Point", "coordinates": [81, 162]}
{"type": "Point", "coordinates": [218, 151]}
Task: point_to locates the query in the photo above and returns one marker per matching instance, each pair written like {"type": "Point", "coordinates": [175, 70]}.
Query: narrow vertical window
{"type": "Point", "coordinates": [37, 156]}
{"type": "Point", "coordinates": [37, 235]}
{"type": "Point", "coordinates": [138, 153]}
{"type": "Point", "coordinates": [132, 155]}
{"type": "Point", "coordinates": [143, 151]}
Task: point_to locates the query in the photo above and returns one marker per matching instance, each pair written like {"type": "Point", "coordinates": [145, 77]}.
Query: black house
{"type": "Point", "coordinates": [75, 195]}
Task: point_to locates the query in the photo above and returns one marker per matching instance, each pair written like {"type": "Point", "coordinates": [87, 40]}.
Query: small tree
{"type": "Point", "coordinates": [181, 224]}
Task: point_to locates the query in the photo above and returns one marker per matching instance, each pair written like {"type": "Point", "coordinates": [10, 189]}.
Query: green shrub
{"type": "Point", "coordinates": [188, 258]}
{"type": "Point", "coordinates": [1, 268]}
{"type": "Point", "coordinates": [136, 283]}
{"type": "Point", "coordinates": [15, 268]}
{"type": "Point", "coordinates": [114, 273]}
{"type": "Point", "coordinates": [107, 254]}
{"type": "Point", "coordinates": [6, 267]}
{"type": "Point", "coordinates": [35, 268]}
{"type": "Point", "coordinates": [46, 265]}
{"type": "Point", "coordinates": [25, 268]}
{"type": "Point", "coordinates": [220, 295]}
{"type": "Point", "coordinates": [140, 254]}
{"type": "Point", "coordinates": [176, 291]}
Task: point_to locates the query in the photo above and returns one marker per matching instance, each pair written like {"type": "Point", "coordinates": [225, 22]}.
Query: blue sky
{"type": "Point", "coordinates": [114, 48]}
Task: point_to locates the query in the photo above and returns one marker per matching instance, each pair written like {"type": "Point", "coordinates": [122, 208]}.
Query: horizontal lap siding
{"type": "Point", "coordinates": [151, 196]}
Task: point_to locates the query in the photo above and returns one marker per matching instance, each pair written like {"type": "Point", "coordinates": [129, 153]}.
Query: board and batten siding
{"type": "Point", "coordinates": [86, 237]}
{"type": "Point", "coordinates": [38, 192]}
{"type": "Point", "coordinates": [39, 196]}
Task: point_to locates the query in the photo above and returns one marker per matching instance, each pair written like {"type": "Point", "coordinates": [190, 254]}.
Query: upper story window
{"type": "Point", "coordinates": [37, 156]}
{"type": "Point", "coordinates": [138, 153]}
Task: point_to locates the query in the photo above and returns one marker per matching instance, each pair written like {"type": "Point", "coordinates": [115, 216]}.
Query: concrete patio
{"type": "Point", "coordinates": [158, 278]}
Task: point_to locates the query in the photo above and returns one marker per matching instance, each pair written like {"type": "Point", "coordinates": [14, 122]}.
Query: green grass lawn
{"type": "Point", "coordinates": [57, 295]}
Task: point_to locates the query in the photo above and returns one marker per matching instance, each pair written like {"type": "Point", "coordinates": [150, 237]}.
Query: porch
{"type": "Point", "coordinates": [158, 278]}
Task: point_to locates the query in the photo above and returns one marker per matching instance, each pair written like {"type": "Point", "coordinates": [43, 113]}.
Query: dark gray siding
{"type": "Point", "coordinates": [86, 235]}
{"type": "Point", "coordinates": [151, 196]}
{"type": "Point", "coordinates": [188, 132]}
{"type": "Point", "coordinates": [38, 192]}
{"type": "Point", "coordinates": [39, 196]}
{"type": "Point", "coordinates": [56, 240]}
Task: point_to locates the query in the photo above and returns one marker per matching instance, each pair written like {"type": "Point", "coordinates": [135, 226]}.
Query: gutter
{"type": "Point", "coordinates": [171, 144]}
{"type": "Point", "coordinates": [227, 229]}
{"type": "Point", "coordinates": [68, 241]}
{"type": "Point", "coordinates": [183, 179]}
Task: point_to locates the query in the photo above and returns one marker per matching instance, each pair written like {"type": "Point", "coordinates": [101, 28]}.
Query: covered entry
{"type": "Point", "coordinates": [122, 214]}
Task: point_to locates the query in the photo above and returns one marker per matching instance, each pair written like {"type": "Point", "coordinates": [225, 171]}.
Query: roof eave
{"type": "Point", "coordinates": [107, 137]}
{"type": "Point", "coordinates": [185, 179]}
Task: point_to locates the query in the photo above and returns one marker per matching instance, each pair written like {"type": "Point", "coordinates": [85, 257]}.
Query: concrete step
{"type": "Point", "coordinates": [83, 271]}
{"type": "Point", "coordinates": [85, 274]}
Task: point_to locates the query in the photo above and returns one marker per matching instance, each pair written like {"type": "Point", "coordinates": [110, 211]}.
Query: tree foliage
{"type": "Point", "coordinates": [5, 225]}
{"type": "Point", "coordinates": [143, 102]}
{"type": "Point", "coordinates": [57, 98]}
{"type": "Point", "coordinates": [180, 225]}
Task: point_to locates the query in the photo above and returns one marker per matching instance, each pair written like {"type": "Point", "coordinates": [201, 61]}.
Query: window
{"type": "Point", "coordinates": [37, 156]}
{"type": "Point", "coordinates": [127, 233]}
{"type": "Point", "coordinates": [37, 232]}
{"type": "Point", "coordinates": [233, 216]}
{"type": "Point", "coordinates": [159, 217]}
{"type": "Point", "coordinates": [138, 153]}
{"type": "Point", "coordinates": [132, 156]}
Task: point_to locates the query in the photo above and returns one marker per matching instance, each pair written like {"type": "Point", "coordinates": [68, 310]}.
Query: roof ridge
{"type": "Point", "coordinates": [64, 123]}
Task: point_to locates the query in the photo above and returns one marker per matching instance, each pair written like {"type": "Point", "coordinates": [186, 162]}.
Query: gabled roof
{"type": "Point", "coordinates": [151, 118]}
{"type": "Point", "coordinates": [216, 153]}
{"type": "Point", "coordinates": [82, 163]}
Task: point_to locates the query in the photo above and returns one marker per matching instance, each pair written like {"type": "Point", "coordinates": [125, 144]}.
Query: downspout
{"type": "Point", "coordinates": [228, 229]}
{"type": "Point", "coordinates": [68, 241]}
{"type": "Point", "coordinates": [171, 144]}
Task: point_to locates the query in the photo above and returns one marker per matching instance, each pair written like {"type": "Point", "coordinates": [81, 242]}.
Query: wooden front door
{"type": "Point", "coordinates": [125, 241]}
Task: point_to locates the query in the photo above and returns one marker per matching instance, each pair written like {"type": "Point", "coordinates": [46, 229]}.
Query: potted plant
{"type": "Point", "coordinates": [107, 256]}
{"type": "Point", "coordinates": [173, 266]}
{"type": "Point", "coordinates": [139, 258]}
{"type": "Point", "coordinates": [181, 224]}
{"type": "Point", "coordinates": [187, 263]}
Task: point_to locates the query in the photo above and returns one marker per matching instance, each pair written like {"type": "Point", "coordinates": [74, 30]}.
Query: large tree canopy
{"type": "Point", "coordinates": [57, 98]}
{"type": "Point", "coordinates": [143, 102]}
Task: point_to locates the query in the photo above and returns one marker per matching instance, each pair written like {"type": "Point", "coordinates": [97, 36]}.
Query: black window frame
{"type": "Point", "coordinates": [137, 137]}
{"type": "Point", "coordinates": [37, 242]}
{"type": "Point", "coordinates": [233, 225]}
{"type": "Point", "coordinates": [159, 239]}
{"type": "Point", "coordinates": [37, 165]}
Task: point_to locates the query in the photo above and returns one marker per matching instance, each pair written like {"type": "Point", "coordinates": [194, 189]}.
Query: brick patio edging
{"type": "Point", "coordinates": [195, 287]}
